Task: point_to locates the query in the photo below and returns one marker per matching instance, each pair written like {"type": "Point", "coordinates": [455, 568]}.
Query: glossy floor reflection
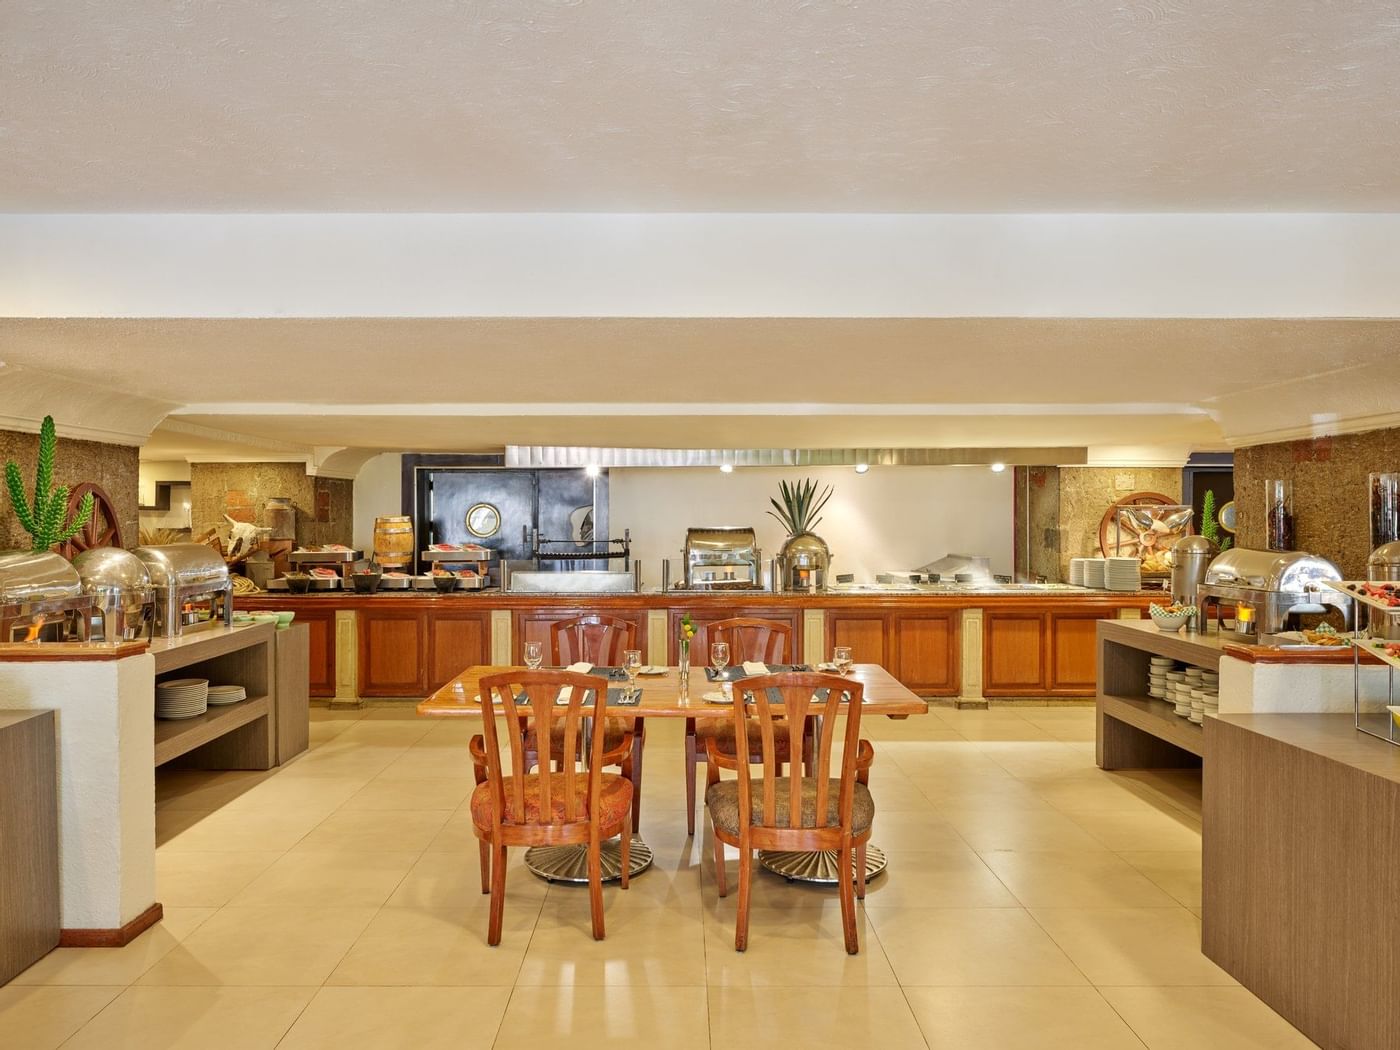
{"type": "Point", "coordinates": [1031, 901]}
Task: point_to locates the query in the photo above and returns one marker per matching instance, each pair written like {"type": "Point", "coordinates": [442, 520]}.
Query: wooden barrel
{"type": "Point", "coordinates": [393, 541]}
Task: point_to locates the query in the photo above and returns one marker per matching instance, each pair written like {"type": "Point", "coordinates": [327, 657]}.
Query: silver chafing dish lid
{"type": "Point", "coordinates": [1284, 572]}
{"type": "Point", "coordinates": [1384, 562]}
{"type": "Point", "coordinates": [719, 544]}
{"type": "Point", "coordinates": [111, 571]}
{"type": "Point", "coordinates": [28, 578]}
{"type": "Point", "coordinates": [184, 566]}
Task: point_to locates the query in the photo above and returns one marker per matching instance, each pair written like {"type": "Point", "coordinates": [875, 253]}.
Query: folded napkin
{"type": "Point", "coordinates": [754, 667]}
{"type": "Point", "coordinates": [582, 667]}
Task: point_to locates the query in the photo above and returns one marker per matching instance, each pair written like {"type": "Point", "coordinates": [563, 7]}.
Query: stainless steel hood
{"type": "Point", "coordinates": [584, 456]}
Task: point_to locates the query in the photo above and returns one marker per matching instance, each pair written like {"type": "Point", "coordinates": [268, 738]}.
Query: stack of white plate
{"type": "Point", "coordinates": [182, 698]}
{"type": "Point", "coordinates": [1178, 692]}
{"type": "Point", "coordinates": [226, 694]}
{"type": "Point", "coordinates": [1076, 572]}
{"type": "Point", "coordinates": [1093, 572]}
{"type": "Point", "coordinates": [1157, 676]}
{"type": "Point", "coordinates": [1210, 689]}
{"type": "Point", "coordinates": [1122, 574]}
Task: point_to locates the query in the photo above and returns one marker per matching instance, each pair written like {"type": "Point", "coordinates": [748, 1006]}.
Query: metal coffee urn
{"type": "Point", "coordinates": [1189, 559]}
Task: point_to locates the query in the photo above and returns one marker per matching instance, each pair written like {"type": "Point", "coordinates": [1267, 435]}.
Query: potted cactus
{"type": "Point", "coordinates": [45, 516]}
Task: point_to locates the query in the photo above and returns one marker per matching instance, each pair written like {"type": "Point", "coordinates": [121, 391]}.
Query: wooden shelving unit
{"type": "Point", "coordinates": [234, 736]}
{"type": "Point", "coordinates": [1136, 731]}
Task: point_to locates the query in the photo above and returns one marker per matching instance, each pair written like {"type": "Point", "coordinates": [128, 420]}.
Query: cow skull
{"type": "Point", "coordinates": [243, 537]}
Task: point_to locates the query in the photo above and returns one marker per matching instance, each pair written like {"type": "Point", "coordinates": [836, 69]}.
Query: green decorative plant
{"type": "Point", "coordinates": [44, 518]}
{"type": "Point", "coordinates": [1210, 523]}
{"type": "Point", "coordinates": [801, 507]}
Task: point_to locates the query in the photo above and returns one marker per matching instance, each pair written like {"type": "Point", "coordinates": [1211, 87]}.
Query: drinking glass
{"type": "Point", "coordinates": [534, 655]}
{"type": "Point", "coordinates": [632, 664]}
{"type": "Point", "coordinates": [719, 658]}
{"type": "Point", "coordinates": [841, 657]}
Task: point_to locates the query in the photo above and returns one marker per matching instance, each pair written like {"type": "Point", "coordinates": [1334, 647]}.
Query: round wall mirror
{"type": "Point", "coordinates": [483, 520]}
{"type": "Point", "coordinates": [1226, 517]}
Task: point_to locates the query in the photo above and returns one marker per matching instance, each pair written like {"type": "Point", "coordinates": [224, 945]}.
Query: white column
{"type": "Point", "coordinates": [658, 637]}
{"type": "Point", "coordinates": [347, 657]}
{"type": "Point", "coordinates": [971, 655]}
{"type": "Point", "coordinates": [106, 781]}
{"type": "Point", "coordinates": [813, 636]}
{"type": "Point", "coordinates": [500, 637]}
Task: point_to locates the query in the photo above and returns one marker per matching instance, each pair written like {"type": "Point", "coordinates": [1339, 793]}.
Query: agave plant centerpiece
{"type": "Point", "coordinates": [805, 557]}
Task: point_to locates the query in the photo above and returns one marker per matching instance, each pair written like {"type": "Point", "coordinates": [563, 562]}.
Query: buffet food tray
{"type": "Point", "coordinates": [396, 583]}
{"type": "Point", "coordinates": [479, 554]}
{"type": "Point", "coordinates": [425, 583]}
{"type": "Point", "coordinates": [1356, 589]}
{"type": "Point", "coordinates": [325, 557]}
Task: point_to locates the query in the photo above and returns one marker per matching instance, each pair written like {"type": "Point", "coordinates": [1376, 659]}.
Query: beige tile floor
{"type": "Point", "coordinates": [1031, 901]}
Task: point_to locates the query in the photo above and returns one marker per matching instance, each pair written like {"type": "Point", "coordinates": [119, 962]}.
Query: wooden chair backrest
{"type": "Point", "coordinates": [502, 704]}
{"type": "Point", "coordinates": [592, 637]}
{"type": "Point", "coordinates": [781, 704]}
{"type": "Point", "coordinates": [749, 638]}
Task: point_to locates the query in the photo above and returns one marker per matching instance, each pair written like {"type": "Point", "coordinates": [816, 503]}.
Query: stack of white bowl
{"type": "Point", "coordinates": [1210, 690]}
{"type": "Point", "coordinates": [1179, 693]}
{"type": "Point", "coordinates": [226, 694]}
{"type": "Point", "coordinates": [1196, 684]}
{"type": "Point", "coordinates": [182, 698]}
{"type": "Point", "coordinates": [1123, 574]}
{"type": "Point", "coordinates": [1094, 572]}
{"type": "Point", "coordinates": [1076, 572]}
{"type": "Point", "coordinates": [1157, 676]}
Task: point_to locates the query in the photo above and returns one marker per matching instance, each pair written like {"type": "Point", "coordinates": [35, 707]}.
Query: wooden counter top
{"type": "Point", "coordinates": [1205, 649]}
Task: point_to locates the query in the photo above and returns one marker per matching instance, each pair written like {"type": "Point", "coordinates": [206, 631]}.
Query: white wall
{"type": "Point", "coordinates": [378, 492]}
{"type": "Point", "coordinates": [890, 518]}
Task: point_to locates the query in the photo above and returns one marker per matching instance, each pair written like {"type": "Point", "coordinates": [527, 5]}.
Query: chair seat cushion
{"type": "Point", "coordinates": [617, 738]}
{"type": "Point", "coordinates": [722, 733]}
{"type": "Point", "coordinates": [614, 801]}
{"type": "Point", "coordinates": [722, 800]}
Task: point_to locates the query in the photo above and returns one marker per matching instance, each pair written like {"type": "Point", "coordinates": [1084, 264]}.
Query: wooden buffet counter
{"type": "Point", "coordinates": [970, 645]}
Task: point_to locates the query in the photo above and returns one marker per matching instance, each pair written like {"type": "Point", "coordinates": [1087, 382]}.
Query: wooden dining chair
{"type": "Point", "coordinates": [545, 808]}
{"type": "Point", "coordinates": [750, 639]}
{"type": "Point", "coordinates": [792, 811]}
{"type": "Point", "coordinates": [601, 640]}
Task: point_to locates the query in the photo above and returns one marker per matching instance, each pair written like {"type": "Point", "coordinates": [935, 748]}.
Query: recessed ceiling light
{"type": "Point", "coordinates": [862, 468]}
{"type": "Point", "coordinates": [726, 468]}
{"type": "Point", "coordinates": [997, 468]}
{"type": "Point", "coordinates": [592, 470]}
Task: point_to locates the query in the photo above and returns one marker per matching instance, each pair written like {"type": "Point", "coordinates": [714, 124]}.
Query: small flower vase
{"type": "Point", "coordinates": [683, 662]}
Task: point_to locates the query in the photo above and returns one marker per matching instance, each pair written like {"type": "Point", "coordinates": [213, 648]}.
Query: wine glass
{"type": "Point", "coordinates": [534, 655]}
{"type": "Point", "coordinates": [632, 664]}
{"type": "Point", "coordinates": [719, 659]}
{"type": "Point", "coordinates": [841, 657]}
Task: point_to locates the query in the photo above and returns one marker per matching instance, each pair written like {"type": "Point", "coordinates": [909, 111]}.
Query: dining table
{"type": "Point", "coordinates": [670, 692]}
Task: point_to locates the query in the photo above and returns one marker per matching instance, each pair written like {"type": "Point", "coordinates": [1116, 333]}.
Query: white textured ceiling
{"type": "Point", "coordinates": [722, 105]}
{"type": "Point", "coordinates": [462, 383]}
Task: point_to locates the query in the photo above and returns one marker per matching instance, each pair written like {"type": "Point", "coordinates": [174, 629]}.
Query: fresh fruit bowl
{"type": "Point", "coordinates": [1171, 617]}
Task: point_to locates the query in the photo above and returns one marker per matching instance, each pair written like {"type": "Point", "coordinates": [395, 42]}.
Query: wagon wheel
{"type": "Point", "coordinates": [1122, 543]}
{"type": "Point", "coordinates": [101, 530]}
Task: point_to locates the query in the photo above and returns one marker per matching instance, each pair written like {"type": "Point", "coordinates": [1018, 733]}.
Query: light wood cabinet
{"type": "Point", "coordinates": [921, 649]}
{"type": "Point", "coordinates": [393, 652]}
{"type": "Point", "coordinates": [457, 639]}
{"type": "Point", "coordinates": [1013, 654]}
{"type": "Point", "coordinates": [320, 625]}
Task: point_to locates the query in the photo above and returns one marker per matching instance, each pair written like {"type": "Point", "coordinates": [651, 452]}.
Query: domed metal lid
{"type": "Point", "coordinates": [105, 569]}
{"type": "Point", "coordinates": [1386, 556]}
{"type": "Point", "coordinates": [806, 547]}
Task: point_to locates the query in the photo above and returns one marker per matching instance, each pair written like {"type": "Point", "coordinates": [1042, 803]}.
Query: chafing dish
{"type": "Point", "coordinates": [342, 559]}
{"type": "Point", "coordinates": [122, 596]}
{"type": "Point", "coordinates": [803, 563]}
{"type": "Point", "coordinates": [41, 599]}
{"type": "Point", "coordinates": [1267, 588]}
{"type": "Point", "coordinates": [185, 576]}
{"type": "Point", "coordinates": [1383, 566]}
{"type": "Point", "coordinates": [722, 558]}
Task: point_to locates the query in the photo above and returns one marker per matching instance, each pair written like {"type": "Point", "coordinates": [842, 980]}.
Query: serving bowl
{"type": "Point", "coordinates": [445, 584]}
{"type": "Point", "coordinates": [366, 582]}
{"type": "Point", "coordinates": [1166, 621]}
{"type": "Point", "coordinates": [298, 582]}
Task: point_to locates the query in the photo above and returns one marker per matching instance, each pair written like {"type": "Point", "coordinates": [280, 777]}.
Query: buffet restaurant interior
{"type": "Point", "coordinates": [708, 525]}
